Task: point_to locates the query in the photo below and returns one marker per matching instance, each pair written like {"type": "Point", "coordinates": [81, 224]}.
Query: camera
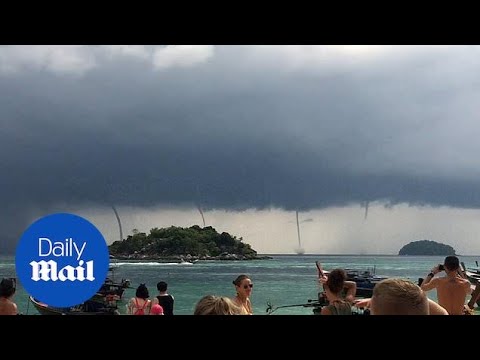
{"type": "Point", "coordinates": [441, 267]}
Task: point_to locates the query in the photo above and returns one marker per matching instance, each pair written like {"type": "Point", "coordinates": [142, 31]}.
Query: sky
{"type": "Point", "coordinates": [251, 134]}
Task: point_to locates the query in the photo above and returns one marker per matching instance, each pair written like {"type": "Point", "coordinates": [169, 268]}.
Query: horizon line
{"type": "Point", "coordinates": [313, 254]}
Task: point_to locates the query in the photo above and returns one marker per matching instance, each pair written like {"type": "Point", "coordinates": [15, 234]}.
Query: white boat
{"type": "Point", "coordinates": [186, 262]}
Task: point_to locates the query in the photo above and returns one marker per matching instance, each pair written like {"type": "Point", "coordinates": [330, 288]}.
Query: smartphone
{"type": "Point", "coordinates": [441, 267]}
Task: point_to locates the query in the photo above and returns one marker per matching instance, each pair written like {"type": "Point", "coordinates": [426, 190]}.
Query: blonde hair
{"type": "Point", "coordinates": [216, 305]}
{"type": "Point", "coordinates": [398, 297]}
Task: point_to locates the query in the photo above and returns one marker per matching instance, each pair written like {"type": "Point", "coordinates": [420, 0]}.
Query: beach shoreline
{"type": "Point", "coordinates": [187, 258]}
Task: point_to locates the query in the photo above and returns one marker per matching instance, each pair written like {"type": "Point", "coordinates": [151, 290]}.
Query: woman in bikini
{"type": "Point", "coordinates": [243, 286]}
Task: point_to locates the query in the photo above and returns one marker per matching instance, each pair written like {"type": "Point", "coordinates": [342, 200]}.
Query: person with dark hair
{"type": "Point", "coordinates": [7, 291]}
{"type": "Point", "coordinates": [165, 300]}
{"type": "Point", "coordinates": [349, 286]}
{"type": "Point", "coordinates": [243, 286]}
{"type": "Point", "coordinates": [217, 305]}
{"type": "Point", "coordinates": [333, 285]}
{"type": "Point", "coordinates": [140, 304]}
{"type": "Point", "coordinates": [452, 289]}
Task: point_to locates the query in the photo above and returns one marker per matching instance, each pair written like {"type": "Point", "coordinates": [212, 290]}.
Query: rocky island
{"type": "Point", "coordinates": [177, 243]}
{"type": "Point", "coordinates": [426, 247]}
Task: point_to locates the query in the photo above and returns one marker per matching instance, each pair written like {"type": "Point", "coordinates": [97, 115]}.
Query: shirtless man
{"type": "Point", "coordinates": [452, 289]}
{"type": "Point", "coordinates": [7, 290]}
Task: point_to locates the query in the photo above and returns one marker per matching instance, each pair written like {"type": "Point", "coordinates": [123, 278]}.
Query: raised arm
{"type": "Point", "coordinates": [475, 296]}
{"type": "Point", "coordinates": [321, 274]}
{"type": "Point", "coordinates": [363, 303]}
{"type": "Point", "coordinates": [429, 282]}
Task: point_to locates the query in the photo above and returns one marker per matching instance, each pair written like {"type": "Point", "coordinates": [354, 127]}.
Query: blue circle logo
{"type": "Point", "coordinates": [62, 260]}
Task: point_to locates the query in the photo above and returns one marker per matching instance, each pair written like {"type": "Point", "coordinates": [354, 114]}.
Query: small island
{"type": "Point", "coordinates": [177, 243]}
{"type": "Point", "coordinates": [426, 247]}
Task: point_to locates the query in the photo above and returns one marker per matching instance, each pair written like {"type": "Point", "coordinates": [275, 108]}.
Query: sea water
{"type": "Point", "coordinates": [282, 280]}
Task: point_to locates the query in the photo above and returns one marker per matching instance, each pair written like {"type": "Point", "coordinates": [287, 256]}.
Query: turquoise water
{"type": "Point", "coordinates": [283, 280]}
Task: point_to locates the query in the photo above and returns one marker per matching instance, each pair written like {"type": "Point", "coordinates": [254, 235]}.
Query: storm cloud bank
{"type": "Point", "coordinates": [236, 127]}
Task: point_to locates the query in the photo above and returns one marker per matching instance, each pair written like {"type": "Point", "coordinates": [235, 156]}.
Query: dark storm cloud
{"type": "Point", "coordinates": [227, 134]}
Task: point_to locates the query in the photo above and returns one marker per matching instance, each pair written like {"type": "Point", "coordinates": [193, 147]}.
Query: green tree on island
{"type": "Point", "coordinates": [426, 247]}
{"type": "Point", "coordinates": [178, 241]}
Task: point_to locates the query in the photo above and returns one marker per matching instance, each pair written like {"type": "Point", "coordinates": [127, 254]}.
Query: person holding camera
{"type": "Point", "coordinates": [452, 289]}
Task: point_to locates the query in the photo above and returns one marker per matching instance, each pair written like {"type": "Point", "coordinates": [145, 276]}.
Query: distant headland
{"type": "Point", "coordinates": [426, 247]}
{"type": "Point", "coordinates": [177, 243]}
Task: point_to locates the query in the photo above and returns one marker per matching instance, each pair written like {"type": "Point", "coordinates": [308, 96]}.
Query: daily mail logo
{"type": "Point", "coordinates": [48, 270]}
{"type": "Point", "coordinates": [62, 260]}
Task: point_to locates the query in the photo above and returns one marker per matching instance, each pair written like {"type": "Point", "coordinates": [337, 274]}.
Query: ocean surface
{"type": "Point", "coordinates": [283, 280]}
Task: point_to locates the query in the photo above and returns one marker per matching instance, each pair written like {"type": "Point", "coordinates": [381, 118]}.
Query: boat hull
{"type": "Point", "coordinates": [90, 307]}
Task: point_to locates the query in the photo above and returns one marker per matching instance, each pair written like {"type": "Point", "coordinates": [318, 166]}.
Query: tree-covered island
{"type": "Point", "coordinates": [175, 243]}
{"type": "Point", "coordinates": [426, 247]}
